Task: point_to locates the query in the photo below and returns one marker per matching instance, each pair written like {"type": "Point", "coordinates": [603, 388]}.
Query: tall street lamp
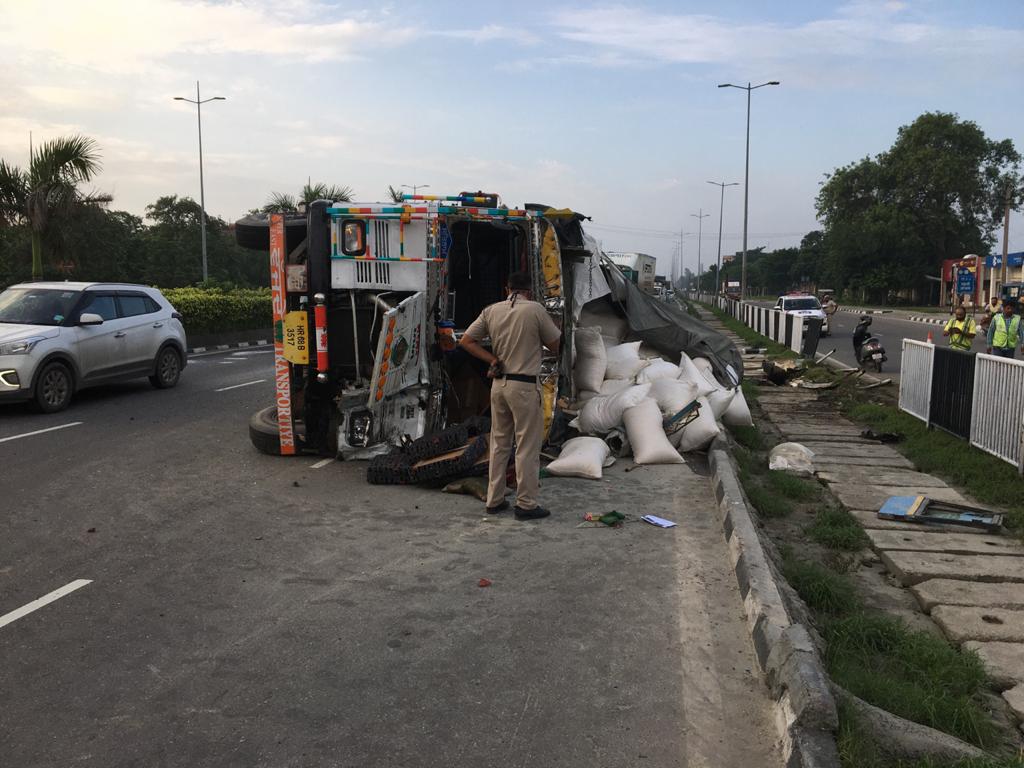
{"type": "Point", "coordinates": [746, 180]}
{"type": "Point", "coordinates": [721, 209]}
{"type": "Point", "coordinates": [202, 192]}
{"type": "Point", "coordinates": [414, 187]}
{"type": "Point", "coordinates": [699, 216]}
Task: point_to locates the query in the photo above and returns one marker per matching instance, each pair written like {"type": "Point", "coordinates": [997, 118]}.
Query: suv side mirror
{"type": "Point", "coordinates": [90, 318]}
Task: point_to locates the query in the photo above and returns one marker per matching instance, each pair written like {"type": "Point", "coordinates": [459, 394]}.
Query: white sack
{"type": "Point", "coordinates": [646, 435]}
{"type": "Point", "coordinates": [591, 360]}
{"type": "Point", "coordinates": [792, 457]}
{"type": "Point", "coordinates": [698, 434]}
{"type": "Point", "coordinates": [581, 457]}
{"type": "Point", "coordinates": [720, 400]}
{"type": "Point", "coordinates": [689, 372]}
{"type": "Point", "coordinates": [624, 361]}
{"type": "Point", "coordinates": [703, 365]}
{"type": "Point", "coordinates": [672, 395]}
{"type": "Point", "coordinates": [614, 386]}
{"type": "Point", "coordinates": [603, 413]}
{"type": "Point", "coordinates": [657, 369]}
{"type": "Point", "coordinates": [738, 412]}
{"type": "Point", "coordinates": [585, 394]}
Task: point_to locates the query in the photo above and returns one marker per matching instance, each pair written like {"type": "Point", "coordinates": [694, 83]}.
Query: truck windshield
{"type": "Point", "coordinates": [802, 304]}
{"type": "Point", "coordinates": [36, 306]}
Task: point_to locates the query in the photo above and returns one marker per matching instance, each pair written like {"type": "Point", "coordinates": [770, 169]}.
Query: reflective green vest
{"type": "Point", "coordinates": [958, 330]}
{"type": "Point", "coordinates": [1006, 338]}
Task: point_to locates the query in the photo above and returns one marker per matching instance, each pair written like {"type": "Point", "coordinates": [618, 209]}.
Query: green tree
{"type": "Point", "coordinates": [937, 193]}
{"type": "Point", "coordinates": [48, 192]}
{"type": "Point", "coordinates": [395, 194]}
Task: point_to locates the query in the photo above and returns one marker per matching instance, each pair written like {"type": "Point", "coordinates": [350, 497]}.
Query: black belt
{"type": "Point", "coordinates": [521, 377]}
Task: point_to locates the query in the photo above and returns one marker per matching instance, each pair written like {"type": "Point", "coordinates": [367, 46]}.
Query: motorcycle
{"type": "Point", "coordinates": [871, 353]}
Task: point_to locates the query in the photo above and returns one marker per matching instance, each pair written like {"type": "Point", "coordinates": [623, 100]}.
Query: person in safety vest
{"type": "Point", "coordinates": [960, 330]}
{"type": "Point", "coordinates": [518, 327]}
{"type": "Point", "coordinates": [1004, 333]}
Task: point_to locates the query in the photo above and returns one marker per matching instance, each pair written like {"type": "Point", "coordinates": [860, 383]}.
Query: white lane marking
{"type": "Point", "coordinates": [321, 464]}
{"type": "Point", "coordinates": [35, 605]}
{"type": "Point", "coordinates": [225, 362]}
{"type": "Point", "coordinates": [39, 431]}
{"type": "Point", "coordinates": [236, 386]}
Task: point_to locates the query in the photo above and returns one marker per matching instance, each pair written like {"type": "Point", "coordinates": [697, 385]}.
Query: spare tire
{"type": "Point", "coordinates": [264, 435]}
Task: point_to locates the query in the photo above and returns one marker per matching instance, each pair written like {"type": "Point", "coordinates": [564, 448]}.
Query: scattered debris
{"type": "Point", "coordinates": [780, 371]}
{"type": "Point", "coordinates": [794, 458]}
{"type": "Point", "coordinates": [922, 509]}
{"type": "Point", "coordinates": [613, 519]}
{"type": "Point", "coordinates": [882, 437]}
{"type": "Point", "coordinates": [91, 530]}
{"type": "Point", "coordinates": [471, 486]}
{"type": "Point", "coordinates": [658, 521]}
{"type": "Point", "coordinates": [484, 583]}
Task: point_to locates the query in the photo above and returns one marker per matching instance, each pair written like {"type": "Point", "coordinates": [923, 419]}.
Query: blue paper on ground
{"type": "Point", "coordinates": [658, 521]}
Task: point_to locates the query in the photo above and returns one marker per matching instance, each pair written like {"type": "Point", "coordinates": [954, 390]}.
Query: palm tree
{"type": "Point", "coordinates": [282, 202]}
{"type": "Point", "coordinates": [395, 194]}
{"type": "Point", "coordinates": [48, 191]}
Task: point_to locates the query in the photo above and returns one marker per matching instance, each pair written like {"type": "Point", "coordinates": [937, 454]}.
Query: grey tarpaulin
{"type": "Point", "coordinates": [670, 330]}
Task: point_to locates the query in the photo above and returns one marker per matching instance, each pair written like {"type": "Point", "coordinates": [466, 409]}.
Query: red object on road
{"type": "Point", "coordinates": [485, 582]}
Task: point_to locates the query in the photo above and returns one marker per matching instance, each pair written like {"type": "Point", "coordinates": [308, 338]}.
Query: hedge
{"type": "Point", "coordinates": [213, 310]}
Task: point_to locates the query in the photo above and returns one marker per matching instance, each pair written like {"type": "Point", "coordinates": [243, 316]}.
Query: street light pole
{"type": "Point", "coordinates": [721, 210]}
{"type": "Point", "coordinates": [699, 216]}
{"type": "Point", "coordinates": [746, 180]}
{"type": "Point", "coordinates": [414, 187]}
{"type": "Point", "coordinates": [202, 190]}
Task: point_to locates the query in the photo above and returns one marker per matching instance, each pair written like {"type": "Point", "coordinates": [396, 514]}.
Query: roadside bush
{"type": "Point", "coordinates": [214, 310]}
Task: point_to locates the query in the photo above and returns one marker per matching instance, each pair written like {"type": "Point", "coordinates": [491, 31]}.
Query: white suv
{"type": "Point", "coordinates": [57, 338]}
{"type": "Point", "coordinates": [803, 305]}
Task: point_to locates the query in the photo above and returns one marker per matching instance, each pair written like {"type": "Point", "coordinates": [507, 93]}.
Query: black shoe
{"type": "Point", "coordinates": [501, 507]}
{"type": "Point", "coordinates": [531, 514]}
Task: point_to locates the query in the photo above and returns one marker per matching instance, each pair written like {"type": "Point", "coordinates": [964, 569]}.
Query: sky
{"type": "Point", "coordinates": [609, 109]}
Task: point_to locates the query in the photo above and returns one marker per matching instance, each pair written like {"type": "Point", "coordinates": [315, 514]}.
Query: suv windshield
{"type": "Point", "coordinates": [808, 303]}
{"type": "Point", "coordinates": [36, 306]}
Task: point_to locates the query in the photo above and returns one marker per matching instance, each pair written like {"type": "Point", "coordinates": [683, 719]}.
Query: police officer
{"type": "Point", "coordinates": [518, 328]}
{"type": "Point", "coordinates": [1004, 332]}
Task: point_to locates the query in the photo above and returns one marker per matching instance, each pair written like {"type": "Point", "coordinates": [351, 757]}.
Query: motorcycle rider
{"type": "Point", "coordinates": [861, 334]}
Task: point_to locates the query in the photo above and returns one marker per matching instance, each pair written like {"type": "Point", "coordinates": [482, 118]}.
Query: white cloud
{"type": "Point", "coordinates": [491, 32]}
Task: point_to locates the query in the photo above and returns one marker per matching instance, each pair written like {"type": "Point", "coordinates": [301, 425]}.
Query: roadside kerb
{"type": "Point", "coordinates": [805, 709]}
{"type": "Point", "coordinates": [235, 345]}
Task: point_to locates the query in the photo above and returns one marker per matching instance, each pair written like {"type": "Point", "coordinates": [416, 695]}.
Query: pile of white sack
{"type": "Point", "coordinates": [626, 399]}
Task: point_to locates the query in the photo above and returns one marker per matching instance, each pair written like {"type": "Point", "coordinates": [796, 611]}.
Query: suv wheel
{"type": "Point", "coordinates": [54, 388]}
{"type": "Point", "coordinates": [167, 370]}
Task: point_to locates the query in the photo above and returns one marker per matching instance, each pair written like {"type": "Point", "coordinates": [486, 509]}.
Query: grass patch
{"type": "Point", "coordinates": [835, 528]}
{"type": "Point", "coordinates": [822, 589]}
{"type": "Point", "coordinates": [986, 478]}
{"type": "Point", "coordinates": [915, 675]}
{"type": "Point", "coordinates": [792, 487]}
{"type": "Point", "coordinates": [748, 437]}
{"type": "Point", "coordinates": [751, 390]}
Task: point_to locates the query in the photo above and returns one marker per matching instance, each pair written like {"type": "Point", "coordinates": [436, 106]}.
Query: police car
{"type": "Point", "coordinates": [803, 305]}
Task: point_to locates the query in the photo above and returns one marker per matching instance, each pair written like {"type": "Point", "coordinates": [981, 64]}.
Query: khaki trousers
{"type": "Point", "coordinates": [516, 412]}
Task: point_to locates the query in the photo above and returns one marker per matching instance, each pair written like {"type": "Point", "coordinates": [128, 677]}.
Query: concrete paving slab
{"type": "Point", "coordinates": [824, 460]}
{"type": "Point", "coordinates": [797, 436]}
{"type": "Point", "coordinates": [874, 496]}
{"type": "Point", "coordinates": [961, 623]}
{"type": "Point", "coordinates": [1015, 698]}
{"type": "Point", "coordinates": [953, 592]}
{"type": "Point", "coordinates": [1003, 661]}
{"type": "Point", "coordinates": [871, 520]}
{"type": "Point", "coordinates": [914, 567]}
{"type": "Point", "coordinates": [852, 449]}
{"type": "Point", "coordinates": [860, 474]}
{"type": "Point", "coordinates": [955, 543]}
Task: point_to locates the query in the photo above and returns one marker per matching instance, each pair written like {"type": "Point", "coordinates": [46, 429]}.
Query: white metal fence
{"type": "Point", "coordinates": [788, 330]}
{"type": "Point", "coordinates": [916, 378]}
{"type": "Point", "coordinates": [997, 419]}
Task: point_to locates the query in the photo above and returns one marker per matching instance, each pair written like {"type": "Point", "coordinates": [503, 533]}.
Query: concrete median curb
{"type": "Point", "coordinates": [804, 707]}
{"type": "Point", "coordinates": [235, 345]}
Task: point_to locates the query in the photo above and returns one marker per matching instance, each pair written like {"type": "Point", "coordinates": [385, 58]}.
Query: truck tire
{"type": "Point", "coordinates": [263, 432]}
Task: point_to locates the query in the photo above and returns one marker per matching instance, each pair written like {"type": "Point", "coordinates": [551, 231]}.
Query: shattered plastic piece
{"type": "Point", "coordinates": [658, 521]}
{"type": "Point", "coordinates": [793, 458]}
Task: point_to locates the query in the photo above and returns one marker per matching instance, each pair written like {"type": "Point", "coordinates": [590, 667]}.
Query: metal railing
{"type": "Point", "coordinates": [997, 424]}
{"type": "Point", "coordinates": [799, 334]}
{"type": "Point", "coordinates": [916, 378]}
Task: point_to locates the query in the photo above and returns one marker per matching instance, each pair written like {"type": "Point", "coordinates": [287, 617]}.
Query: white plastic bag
{"type": "Point", "coordinates": [698, 434]}
{"type": "Point", "coordinates": [591, 359]}
{"type": "Point", "coordinates": [603, 413]}
{"type": "Point", "coordinates": [672, 395]}
{"type": "Point", "coordinates": [657, 369]}
{"type": "Point", "coordinates": [793, 458]}
{"type": "Point", "coordinates": [738, 412]}
{"type": "Point", "coordinates": [689, 372]}
{"type": "Point", "coordinates": [614, 386]}
{"type": "Point", "coordinates": [582, 457]}
{"type": "Point", "coordinates": [646, 435]}
{"type": "Point", "coordinates": [624, 361]}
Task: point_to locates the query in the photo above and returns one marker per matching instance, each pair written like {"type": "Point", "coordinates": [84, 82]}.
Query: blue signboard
{"type": "Point", "coordinates": [1012, 260]}
{"type": "Point", "coordinates": [965, 282]}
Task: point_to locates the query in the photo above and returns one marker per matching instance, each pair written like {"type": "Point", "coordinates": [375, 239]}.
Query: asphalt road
{"type": "Point", "coordinates": [246, 610]}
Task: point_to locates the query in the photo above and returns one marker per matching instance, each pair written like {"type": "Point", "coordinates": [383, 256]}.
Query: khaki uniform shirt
{"type": "Point", "coordinates": [517, 332]}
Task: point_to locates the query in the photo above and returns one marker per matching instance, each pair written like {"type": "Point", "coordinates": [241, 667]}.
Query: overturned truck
{"type": "Point", "coordinates": [369, 300]}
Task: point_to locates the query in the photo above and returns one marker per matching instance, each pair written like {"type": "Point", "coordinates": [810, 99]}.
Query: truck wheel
{"type": "Point", "coordinates": [264, 435]}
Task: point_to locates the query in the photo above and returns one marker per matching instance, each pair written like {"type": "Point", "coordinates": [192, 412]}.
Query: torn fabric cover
{"type": "Point", "coordinates": [670, 330]}
{"type": "Point", "coordinates": [566, 223]}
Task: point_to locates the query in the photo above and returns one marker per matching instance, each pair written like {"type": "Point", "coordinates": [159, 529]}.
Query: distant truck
{"type": "Point", "coordinates": [640, 268]}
